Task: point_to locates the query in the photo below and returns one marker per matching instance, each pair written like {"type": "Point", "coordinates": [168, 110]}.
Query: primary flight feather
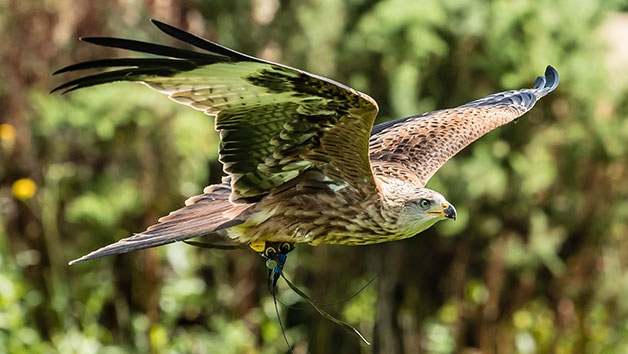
{"type": "Point", "coordinates": [302, 159]}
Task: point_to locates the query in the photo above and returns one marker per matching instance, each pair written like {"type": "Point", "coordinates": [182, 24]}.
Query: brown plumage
{"type": "Point", "coordinates": [303, 162]}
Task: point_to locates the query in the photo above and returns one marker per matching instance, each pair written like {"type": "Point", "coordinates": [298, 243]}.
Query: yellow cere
{"type": "Point", "coordinates": [24, 188]}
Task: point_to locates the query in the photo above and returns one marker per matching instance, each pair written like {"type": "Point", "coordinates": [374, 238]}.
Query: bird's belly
{"type": "Point", "coordinates": [342, 217]}
{"type": "Point", "coordinates": [314, 228]}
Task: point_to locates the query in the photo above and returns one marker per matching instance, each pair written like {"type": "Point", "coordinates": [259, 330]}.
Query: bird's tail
{"type": "Point", "coordinates": [202, 215]}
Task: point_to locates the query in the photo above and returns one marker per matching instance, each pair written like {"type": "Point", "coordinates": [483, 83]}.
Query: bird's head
{"type": "Point", "coordinates": [423, 208]}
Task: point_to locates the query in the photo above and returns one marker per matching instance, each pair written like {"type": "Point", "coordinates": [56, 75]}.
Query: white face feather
{"type": "Point", "coordinates": [415, 205]}
{"type": "Point", "coordinates": [415, 217]}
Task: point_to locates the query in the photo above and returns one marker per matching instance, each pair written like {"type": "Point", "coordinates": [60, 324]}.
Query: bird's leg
{"type": "Point", "coordinates": [276, 255]}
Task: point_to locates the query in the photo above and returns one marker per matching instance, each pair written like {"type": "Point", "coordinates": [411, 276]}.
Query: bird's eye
{"type": "Point", "coordinates": [424, 203]}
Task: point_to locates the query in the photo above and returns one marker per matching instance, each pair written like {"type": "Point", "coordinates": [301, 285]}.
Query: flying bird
{"type": "Point", "coordinates": [302, 159]}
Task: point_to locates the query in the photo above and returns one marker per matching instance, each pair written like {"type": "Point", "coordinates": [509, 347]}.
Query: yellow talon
{"type": "Point", "coordinates": [258, 246]}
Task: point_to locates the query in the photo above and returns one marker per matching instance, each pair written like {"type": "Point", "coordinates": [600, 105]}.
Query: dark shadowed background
{"type": "Point", "coordinates": [536, 263]}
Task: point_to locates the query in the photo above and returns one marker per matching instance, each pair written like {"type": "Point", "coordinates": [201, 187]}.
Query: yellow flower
{"type": "Point", "coordinates": [24, 188]}
{"type": "Point", "coordinates": [7, 132]}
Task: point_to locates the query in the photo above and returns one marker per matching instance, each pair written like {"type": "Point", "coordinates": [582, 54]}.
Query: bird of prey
{"type": "Point", "coordinates": [302, 159]}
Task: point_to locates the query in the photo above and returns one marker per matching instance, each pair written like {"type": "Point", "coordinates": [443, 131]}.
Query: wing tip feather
{"type": "Point", "coordinates": [539, 82]}
{"type": "Point", "coordinates": [162, 26]}
{"type": "Point", "coordinates": [551, 77]}
{"type": "Point", "coordinates": [546, 83]}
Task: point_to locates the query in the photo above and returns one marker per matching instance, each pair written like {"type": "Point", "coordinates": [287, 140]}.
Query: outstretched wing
{"type": "Point", "coordinates": [414, 148]}
{"type": "Point", "coordinates": [274, 121]}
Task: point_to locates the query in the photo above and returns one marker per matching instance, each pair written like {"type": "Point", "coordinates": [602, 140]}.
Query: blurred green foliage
{"type": "Point", "coordinates": [536, 263]}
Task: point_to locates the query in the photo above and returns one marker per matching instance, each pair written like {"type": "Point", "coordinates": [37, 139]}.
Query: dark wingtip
{"type": "Point", "coordinates": [202, 43]}
{"type": "Point", "coordinates": [64, 70]}
{"type": "Point", "coordinates": [90, 40]}
{"type": "Point", "coordinates": [67, 68]}
{"type": "Point", "coordinates": [93, 40]}
{"type": "Point", "coordinates": [539, 82]}
{"type": "Point", "coordinates": [546, 84]}
{"type": "Point", "coordinates": [552, 78]}
{"type": "Point", "coordinates": [167, 29]}
{"type": "Point", "coordinates": [58, 88]}
{"type": "Point", "coordinates": [158, 23]}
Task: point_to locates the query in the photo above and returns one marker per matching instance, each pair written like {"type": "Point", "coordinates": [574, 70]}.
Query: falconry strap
{"type": "Point", "coordinates": [275, 254]}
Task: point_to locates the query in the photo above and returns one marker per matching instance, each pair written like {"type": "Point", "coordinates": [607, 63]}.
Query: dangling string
{"type": "Point", "coordinates": [271, 286]}
{"type": "Point", "coordinates": [366, 285]}
{"type": "Point", "coordinates": [275, 262]}
{"type": "Point", "coordinates": [323, 313]}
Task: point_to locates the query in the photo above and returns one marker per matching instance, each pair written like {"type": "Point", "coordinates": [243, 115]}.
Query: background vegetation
{"type": "Point", "coordinates": [537, 262]}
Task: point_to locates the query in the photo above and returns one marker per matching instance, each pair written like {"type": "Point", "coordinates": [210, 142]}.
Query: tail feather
{"type": "Point", "coordinates": [204, 214]}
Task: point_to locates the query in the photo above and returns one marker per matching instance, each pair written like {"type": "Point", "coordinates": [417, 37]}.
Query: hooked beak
{"type": "Point", "coordinates": [448, 211]}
